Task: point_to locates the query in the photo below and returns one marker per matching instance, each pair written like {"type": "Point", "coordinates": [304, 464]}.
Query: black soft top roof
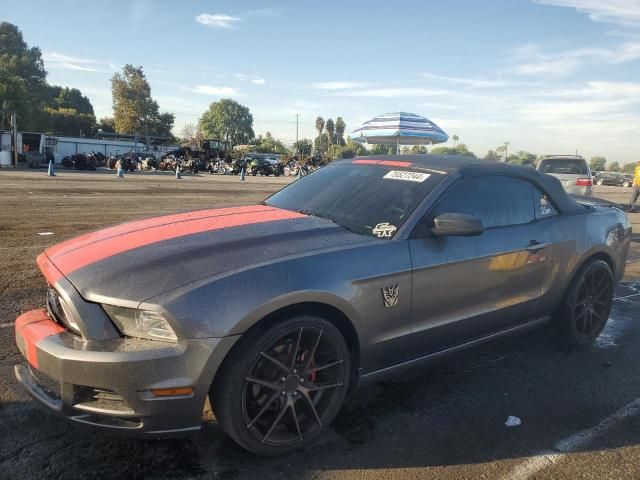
{"type": "Point", "coordinates": [468, 167]}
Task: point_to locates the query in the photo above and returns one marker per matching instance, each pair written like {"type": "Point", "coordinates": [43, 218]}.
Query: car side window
{"type": "Point", "coordinates": [497, 200]}
{"type": "Point", "coordinates": [543, 206]}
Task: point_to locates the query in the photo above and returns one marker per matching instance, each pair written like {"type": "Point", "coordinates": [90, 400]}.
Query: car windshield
{"type": "Point", "coordinates": [570, 166]}
{"type": "Point", "coordinates": [364, 198]}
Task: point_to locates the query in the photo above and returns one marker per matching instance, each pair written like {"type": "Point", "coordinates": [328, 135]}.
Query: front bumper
{"type": "Point", "coordinates": [108, 383]}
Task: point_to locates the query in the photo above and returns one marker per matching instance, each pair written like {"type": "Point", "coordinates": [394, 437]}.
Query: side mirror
{"type": "Point", "coordinates": [457, 224]}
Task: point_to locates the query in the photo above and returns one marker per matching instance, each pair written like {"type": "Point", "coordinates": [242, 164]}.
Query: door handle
{"type": "Point", "coordinates": [535, 246]}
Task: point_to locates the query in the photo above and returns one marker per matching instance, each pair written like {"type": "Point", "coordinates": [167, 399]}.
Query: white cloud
{"type": "Point", "coordinates": [395, 92]}
{"type": "Point", "coordinates": [218, 20]}
{"type": "Point", "coordinates": [470, 82]}
{"type": "Point", "coordinates": [621, 12]}
{"type": "Point", "coordinates": [250, 78]}
{"type": "Point", "coordinates": [211, 90]}
{"type": "Point", "coordinates": [530, 60]}
{"type": "Point", "coordinates": [337, 85]}
{"type": "Point", "coordinates": [60, 61]}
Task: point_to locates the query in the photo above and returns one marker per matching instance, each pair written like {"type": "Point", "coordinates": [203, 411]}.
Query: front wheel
{"type": "Point", "coordinates": [281, 386]}
{"type": "Point", "coordinates": [585, 309]}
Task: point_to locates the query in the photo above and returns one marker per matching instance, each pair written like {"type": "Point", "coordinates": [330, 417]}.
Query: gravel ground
{"type": "Point", "coordinates": [445, 421]}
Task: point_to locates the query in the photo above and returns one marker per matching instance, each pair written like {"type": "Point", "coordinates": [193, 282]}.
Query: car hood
{"type": "Point", "coordinates": [132, 262]}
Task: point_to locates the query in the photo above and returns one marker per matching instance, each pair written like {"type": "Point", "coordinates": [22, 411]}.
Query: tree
{"type": "Point", "coordinates": [22, 77]}
{"type": "Point", "coordinates": [455, 139]}
{"type": "Point", "coordinates": [492, 156]}
{"type": "Point", "coordinates": [522, 158]}
{"type": "Point", "coordinates": [383, 150]}
{"type": "Point", "coordinates": [303, 147]}
{"type": "Point", "coordinates": [461, 149]}
{"type": "Point", "coordinates": [319, 125]}
{"type": "Point", "coordinates": [134, 110]}
{"type": "Point", "coordinates": [419, 149]}
{"type": "Point", "coordinates": [321, 143]}
{"type": "Point", "coordinates": [629, 167]}
{"type": "Point", "coordinates": [227, 120]}
{"type": "Point", "coordinates": [597, 163]}
{"type": "Point", "coordinates": [268, 144]}
{"type": "Point", "coordinates": [107, 125]}
{"type": "Point", "coordinates": [330, 127]}
{"type": "Point", "coordinates": [67, 112]}
{"type": "Point", "coordinates": [340, 128]}
{"type": "Point", "coordinates": [191, 135]}
{"type": "Point", "coordinates": [614, 167]}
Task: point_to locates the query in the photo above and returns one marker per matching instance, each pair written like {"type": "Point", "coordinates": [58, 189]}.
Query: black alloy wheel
{"type": "Point", "coordinates": [294, 380]}
{"type": "Point", "coordinates": [587, 304]}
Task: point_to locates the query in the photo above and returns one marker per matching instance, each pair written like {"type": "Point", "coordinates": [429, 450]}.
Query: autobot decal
{"type": "Point", "coordinates": [390, 296]}
{"type": "Point", "coordinates": [384, 230]}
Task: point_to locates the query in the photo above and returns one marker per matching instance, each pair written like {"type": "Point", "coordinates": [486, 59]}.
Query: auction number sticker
{"type": "Point", "coordinates": [405, 176]}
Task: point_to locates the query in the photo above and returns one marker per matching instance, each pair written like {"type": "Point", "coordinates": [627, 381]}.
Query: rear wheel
{"type": "Point", "coordinates": [587, 304]}
{"type": "Point", "coordinates": [599, 182]}
{"type": "Point", "coordinates": [280, 387]}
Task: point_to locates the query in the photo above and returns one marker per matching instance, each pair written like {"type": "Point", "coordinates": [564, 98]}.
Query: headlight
{"type": "Point", "coordinates": [68, 315]}
{"type": "Point", "coordinates": [141, 323]}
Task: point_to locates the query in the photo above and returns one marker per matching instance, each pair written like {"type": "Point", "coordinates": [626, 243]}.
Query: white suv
{"type": "Point", "coordinates": [573, 171]}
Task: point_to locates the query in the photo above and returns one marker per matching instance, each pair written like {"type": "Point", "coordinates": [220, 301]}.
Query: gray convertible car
{"type": "Point", "coordinates": [275, 312]}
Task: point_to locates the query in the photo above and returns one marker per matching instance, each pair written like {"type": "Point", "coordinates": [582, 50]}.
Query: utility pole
{"type": "Point", "coordinates": [506, 151]}
{"type": "Point", "coordinates": [297, 144]}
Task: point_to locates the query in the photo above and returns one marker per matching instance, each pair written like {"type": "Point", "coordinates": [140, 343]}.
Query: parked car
{"type": "Point", "coordinates": [572, 171]}
{"type": "Point", "coordinates": [266, 166]}
{"type": "Point", "coordinates": [610, 178]}
{"type": "Point", "coordinates": [365, 268]}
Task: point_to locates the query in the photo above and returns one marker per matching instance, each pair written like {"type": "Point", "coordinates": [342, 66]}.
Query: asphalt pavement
{"type": "Point", "coordinates": [579, 411]}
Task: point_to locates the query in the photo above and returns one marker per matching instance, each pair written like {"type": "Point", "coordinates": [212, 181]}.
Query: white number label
{"type": "Point", "coordinates": [418, 177]}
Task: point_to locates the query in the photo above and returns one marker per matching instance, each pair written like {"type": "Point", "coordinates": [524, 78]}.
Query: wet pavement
{"type": "Point", "coordinates": [579, 410]}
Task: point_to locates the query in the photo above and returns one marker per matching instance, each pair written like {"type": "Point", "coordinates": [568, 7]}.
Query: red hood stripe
{"type": "Point", "coordinates": [100, 235]}
{"type": "Point", "coordinates": [89, 253]}
{"type": "Point", "coordinates": [32, 327]}
{"type": "Point", "coordinates": [48, 269]}
{"type": "Point", "coordinates": [388, 163]}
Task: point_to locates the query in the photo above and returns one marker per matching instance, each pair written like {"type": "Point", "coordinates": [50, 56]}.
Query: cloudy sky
{"type": "Point", "coordinates": [549, 76]}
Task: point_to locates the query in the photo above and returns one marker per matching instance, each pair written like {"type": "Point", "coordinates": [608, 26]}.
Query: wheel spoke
{"type": "Point", "coordinates": [600, 302]}
{"type": "Point", "coordinates": [264, 383]}
{"type": "Point", "coordinates": [313, 351]}
{"type": "Point", "coordinates": [285, 407]}
{"type": "Point", "coordinates": [276, 362]}
{"type": "Point", "coordinates": [263, 409]}
{"type": "Point", "coordinates": [312, 407]}
{"type": "Point", "coordinates": [601, 291]}
{"type": "Point", "coordinates": [323, 367]}
{"type": "Point", "coordinates": [295, 419]}
{"type": "Point", "coordinates": [295, 350]}
{"type": "Point", "coordinates": [316, 388]}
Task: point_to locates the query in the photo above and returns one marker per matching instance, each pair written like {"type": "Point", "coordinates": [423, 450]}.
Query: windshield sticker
{"type": "Point", "coordinates": [384, 230]}
{"type": "Point", "coordinates": [407, 176]}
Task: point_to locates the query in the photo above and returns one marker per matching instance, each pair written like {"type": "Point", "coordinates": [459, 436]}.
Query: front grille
{"type": "Point", "coordinates": [100, 400]}
{"type": "Point", "coordinates": [54, 307]}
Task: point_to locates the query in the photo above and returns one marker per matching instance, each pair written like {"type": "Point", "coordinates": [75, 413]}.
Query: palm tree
{"type": "Point", "coordinates": [455, 139]}
{"type": "Point", "coordinates": [340, 128]}
{"type": "Point", "coordinates": [319, 125]}
{"type": "Point", "coordinates": [330, 127]}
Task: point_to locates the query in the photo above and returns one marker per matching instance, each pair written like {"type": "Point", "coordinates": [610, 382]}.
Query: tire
{"type": "Point", "coordinates": [259, 416]}
{"type": "Point", "coordinates": [599, 182]}
{"type": "Point", "coordinates": [626, 184]}
{"type": "Point", "coordinates": [587, 304]}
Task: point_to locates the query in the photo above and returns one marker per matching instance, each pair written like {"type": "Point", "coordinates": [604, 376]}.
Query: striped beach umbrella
{"type": "Point", "coordinates": [399, 128]}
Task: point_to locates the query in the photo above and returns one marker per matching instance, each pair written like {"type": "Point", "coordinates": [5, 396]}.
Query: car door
{"type": "Point", "coordinates": [467, 287]}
